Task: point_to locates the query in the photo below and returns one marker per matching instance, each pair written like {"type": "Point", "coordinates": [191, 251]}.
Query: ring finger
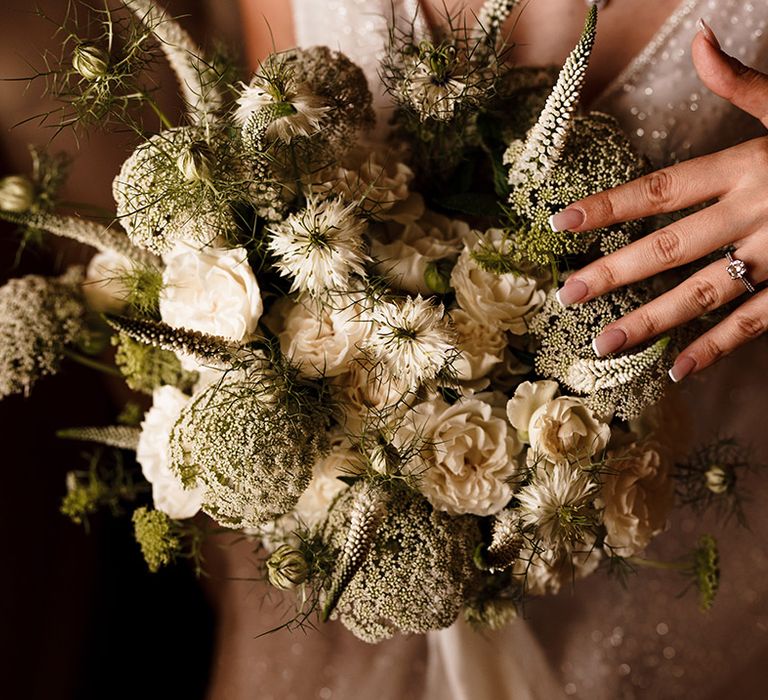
{"type": "Point", "coordinates": [701, 293]}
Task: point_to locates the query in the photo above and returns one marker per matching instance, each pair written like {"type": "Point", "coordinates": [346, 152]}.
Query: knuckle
{"type": "Point", "coordinates": [659, 187]}
{"type": "Point", "coordinates": [605, 276]}
{"type": "Point", "coordinates": [647, 323]}
{"type": "Point", "coordinates": [748, 327]}
{"type": "Point", "coordinates": [667, 248]}
{"type": "Point", "coordinates": [704, 296]}
{"type": "Point", "coordinates": [710, 349]}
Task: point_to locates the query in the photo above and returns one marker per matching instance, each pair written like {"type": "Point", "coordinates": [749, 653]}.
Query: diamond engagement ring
{"type": "Point", "coordinates": [737, 270]}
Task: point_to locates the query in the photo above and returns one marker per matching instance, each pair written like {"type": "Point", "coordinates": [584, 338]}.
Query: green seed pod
{"type": "Point", "coordinates": [90, 61]}
{"type": "Point", "coordinates": [287, 568]}
{"type": "Point", "coordinates": [436, 279]}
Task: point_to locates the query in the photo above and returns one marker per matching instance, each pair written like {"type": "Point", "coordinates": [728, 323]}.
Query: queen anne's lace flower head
{"type": "Point", "coordinates": [39, 317]}
{"type": "Point", "coordinates": [413, 339]}
{"type": "Point", "coordinates": [250, 444]}
{"type": "Point", "coordinates": [419, 570]}
{"type": "Point", "coordinates": [320, 247]}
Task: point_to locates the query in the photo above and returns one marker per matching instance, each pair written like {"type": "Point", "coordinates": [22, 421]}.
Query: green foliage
{"type": "Point", "coordinates": [146, 367]}
{"type": "Point", "coordinates": [156, 535]}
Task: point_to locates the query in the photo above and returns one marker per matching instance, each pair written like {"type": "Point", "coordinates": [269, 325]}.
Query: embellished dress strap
{"type": "Point", "coordinates": [659, 98]}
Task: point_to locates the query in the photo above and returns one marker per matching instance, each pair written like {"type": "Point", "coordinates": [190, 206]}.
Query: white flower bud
{"type": "Point", "coordinates": [718, 481]}
{"type": "Point", "coordinates": [436, 279]}
{"type": "Point", "coordinates": [195, 162]}
{"type": "Point", "coordinates": [287, 567]}
{"type": "Point", "coordinates": [17, 194]}
{"type": "Point", "coordinates": [90, 61]}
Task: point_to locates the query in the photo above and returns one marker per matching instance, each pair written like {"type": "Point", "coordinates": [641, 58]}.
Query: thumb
{"type": "Point", "coordinates": [726, 76]}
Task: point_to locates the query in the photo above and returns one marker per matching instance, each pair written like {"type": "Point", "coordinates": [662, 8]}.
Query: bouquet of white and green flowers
{"type": "Point", "coordinates": [354, 349]}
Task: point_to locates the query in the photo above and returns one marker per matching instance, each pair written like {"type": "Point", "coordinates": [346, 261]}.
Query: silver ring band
{"type": "Point", "coordinates": [737, 270]}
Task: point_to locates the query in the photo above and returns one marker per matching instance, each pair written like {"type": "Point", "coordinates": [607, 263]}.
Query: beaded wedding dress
{"type": "Point", "coordinates": [598, 640]}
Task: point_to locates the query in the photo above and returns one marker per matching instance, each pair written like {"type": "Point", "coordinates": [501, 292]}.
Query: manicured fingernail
{"type": "Point", "coordinates": [681, 369]}
{"type": "Point", "coordinates": [567, 219]}
{"type": "Point", "coordinates": [609, 341]}
{"type": "Point", "coordinates": [572, 291]}
{"type": "Point", "coordinates": [706, 30]}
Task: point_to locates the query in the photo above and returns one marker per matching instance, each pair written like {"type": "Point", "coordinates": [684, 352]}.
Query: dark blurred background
{"type": "Point", "coordinates": [81, 616]}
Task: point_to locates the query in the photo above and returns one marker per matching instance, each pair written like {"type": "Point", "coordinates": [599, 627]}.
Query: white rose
{"type": "Point", "coordinates": [153, 454]}
{"type": "Point", "coordinates": [103, 288]}
{"type": "Point", "coordinates": [480, 347]}
{"type": "Point", "coordinates": [505, 300]}
{"type": "Point", "coordinates": [211, 290]}
{"type": "Point", "coordinates": [638, 495]}
{"type": "Point", "coordinates": [467, 458]}
{"type": "Point", "coordinates": [404, 259]}
{"type": "Point", "coordinates": [566, 430]}
{"type": "Point", "coordinates": [320, 342]}
{"type": "Point", "coordinates": [528, 398]}
{"type": "Point", "coordinates": [313, 505]}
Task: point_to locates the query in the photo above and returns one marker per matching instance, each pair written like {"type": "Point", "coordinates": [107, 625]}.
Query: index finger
{"type": "Point", "coordinates": [669, 189]}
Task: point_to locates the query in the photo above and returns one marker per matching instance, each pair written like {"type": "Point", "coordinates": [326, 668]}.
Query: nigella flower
{"type": "Point", "coordinates": [434, 97]}
{"type": "Point", "coordinates": [320, 246]}
{"type": "Point", "coordinates": [557, 503]}
{"type": "Point", "coordinates": [296, 110]}
{"type": "Point", "coordinates": [412, 338]}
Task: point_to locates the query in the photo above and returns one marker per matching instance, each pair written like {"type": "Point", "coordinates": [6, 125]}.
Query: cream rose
{"type": "Point", "coordinates": [103, 289]}
{"type": "Point", "coordinates": [211, 290]}
{"type": "Point", "coordinates": [566, 430]}
{"type": "Point", "coordinates": [480, 347]}
{"type": "Point", "coordinates": [638, 494]}
{"type": "Point", "coordinates": [153, 454]}
{"type": "Point", "coordinates": [505, 300]}
{"type": "Point", "coordinates": [319, 342]}
{"type": "Point", "coordinates": [467, 461]}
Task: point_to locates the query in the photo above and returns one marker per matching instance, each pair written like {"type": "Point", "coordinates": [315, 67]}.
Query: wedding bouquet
{"type": "Point", "coordinates": [353, 348]}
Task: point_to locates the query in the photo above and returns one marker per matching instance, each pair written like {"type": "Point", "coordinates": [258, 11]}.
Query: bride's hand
{"type": "Point", "coordinates": [738, 179]}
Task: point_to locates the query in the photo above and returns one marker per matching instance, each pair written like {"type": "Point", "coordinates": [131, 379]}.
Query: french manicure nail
{"type": "Point", "coordinates": [572, 291]}
{"type": "Point", "coordinates": [706, 30]}
{"type": "Point", "coordinates": [681, 369]}
{"type": "Point", "coordinates": [609, 341]}
{"type": "Point", "coordinates": [567, 219]}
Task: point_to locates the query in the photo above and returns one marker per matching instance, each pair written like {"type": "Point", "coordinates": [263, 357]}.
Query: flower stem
{"type": "Point", "coordinates": [92, 364]}
{"type": "Point", "coordinates": [656, 564]}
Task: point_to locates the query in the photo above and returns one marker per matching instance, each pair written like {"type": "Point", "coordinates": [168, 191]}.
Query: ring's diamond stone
{"type": "Point", "coordinates": [736, 269]}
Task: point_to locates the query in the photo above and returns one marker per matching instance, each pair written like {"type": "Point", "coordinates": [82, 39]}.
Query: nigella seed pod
{"type": "Point", "coordinates": [90, 61]}
{"type": "Point", "coordinates": [287, 568]}
{"type": "Point", "coordinates": [17, 194]}
{"type": "Point", "coordinates": [196, 162]}
{"type": "Point", "coordinates": [719, 481]}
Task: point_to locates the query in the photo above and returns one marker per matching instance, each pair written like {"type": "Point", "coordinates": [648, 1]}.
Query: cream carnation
{"type": "Point", "coordinates": [504, 300]}
{"type": "Point", "coordinates": [153, 454]}
{"type": "Point", "coordinates": [404, 259]}
{"type": "Point", "coordinates": [103, 288]}
{"type": "Point", "coordinates": [566, 430]}
{"type": "Point", "coordinates": [528, 398]}
{"type": "Point", "coordinates": [638, 495]}
{"type": "Point", "coordinates": [322, 342]}
{"type": "Point", "coordinates": [211, 290]}
{"type": "Point", "coordinates": [547, 571]}
{"type": "Point", "coordinates": [467, 461]}
{"type": "Point", "coordinates": [325, 485]}
{"type": "Point", "coordinates": [480, 347]}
